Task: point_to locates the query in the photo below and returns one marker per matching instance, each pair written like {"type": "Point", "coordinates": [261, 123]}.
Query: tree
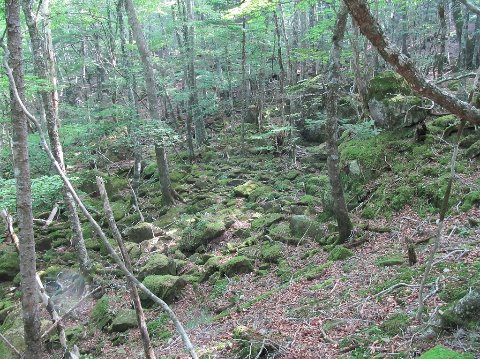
{"type": "Point", "coordinates": [168, 194]}
{"type": "Point", "coordinates": [28, 269]}
{"type": "Point", "coordinates": [339, 205]}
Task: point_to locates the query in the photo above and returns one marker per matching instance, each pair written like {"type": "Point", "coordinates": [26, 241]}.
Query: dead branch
{"type": "Point", "coordinates": [10, 346]}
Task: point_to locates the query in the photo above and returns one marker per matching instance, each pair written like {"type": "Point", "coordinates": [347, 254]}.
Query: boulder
{"type": "Point", "coordinates": [124, 320]}
{"type": "Point", "coordinates": [463, 313]}
{"type": "Point", "coordinates": [339, 253]}
{"type": "Point", "coordinates": [211, 266]}
{"type": "Point", "coordinates": [246, 189]}
{"type": "Point", "coordinates": [9, 265]}
{"type": "Point", "coordinates": [271, 253]}
{"type": "Point", "coordinates": [301, 225]}
{"type": "Point", "coordinates": [200, 233]}
{"type": "Point", "coordinates": [397, 111]}
{"type": "Point", "coordinates": [141, 232]}
{"type": "Point", "coordinates": [101, 315]}
{"type": "Point", "coordinates": [158, 264]}
{"type": "Point", "coordinates": [166, 287]}
{"type": "Point", "coordinates": [237, 265]}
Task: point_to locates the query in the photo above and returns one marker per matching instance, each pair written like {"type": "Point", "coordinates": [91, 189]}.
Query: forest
{"type": "Point", "coordinates": [290, 179]}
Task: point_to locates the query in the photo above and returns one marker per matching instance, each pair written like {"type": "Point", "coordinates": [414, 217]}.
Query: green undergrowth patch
{"type": "Point", "coordinates": [158, 328]}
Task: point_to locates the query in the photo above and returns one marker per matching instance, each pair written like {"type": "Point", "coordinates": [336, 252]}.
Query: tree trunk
{"type": "Point", "coordinates": [442, 38]}
{"type": "Point", "coordinates": [339, 205]}
{"type": "Point", "coordinates": [41, 57]}
{"type": "Point", "coordinates": [30, 302]}
{"type": "Point", "coordinates": [405, 67]}
{"type": "Point", "coordinates": [153, 107]}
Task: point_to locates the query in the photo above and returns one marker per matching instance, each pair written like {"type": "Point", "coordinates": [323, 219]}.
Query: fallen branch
{"type": "Point", "coordinates": [51, 217]}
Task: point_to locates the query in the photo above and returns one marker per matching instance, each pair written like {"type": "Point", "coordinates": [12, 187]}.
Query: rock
{"type": "Point", "coordinates": [134, 250]}
{"type": "Point", "coordinates": [141, 232]}
{"type": "Point", "coordinates": [271, 253]}
{"type": "Point", "coordinates": [158, 264]}
{"type": "Point", "coordinates": [387, 84]}
{"type": "Point", "coordinates": [339, 253]}
{"type": "Point", "coordinates": [200, 233]}
{"type": "Point", "coordinates": [211, 266]}
{"type": "Point", "coordinates": [166, 287]}
{"type": "Point", "coordinates": [246, 189]}
{"type": "Point", "coordinates": [397, 111]}
{"type": "Point", "coordinates": [237, 265]}
{"type": "Point", "coordinates": [124, 320]}
{"type": "Point", "coordinates": [388, 261]}
{"type": "Point", "coordinates": [462, 313]}
{"type": "Point", "coordinates": [266, 221]}
{"type": "Point", "coordinates": [101, 315]}
{"type": "Point", "coordinates": [251, 343]}
{"type": "Point", "coordinates": [301, 225]}
{"type": "Point", "coordinates": [9, 265]}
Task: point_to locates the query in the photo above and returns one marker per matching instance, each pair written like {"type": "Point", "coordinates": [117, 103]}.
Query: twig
{"type": "Point", "coordinates": [10, 346]}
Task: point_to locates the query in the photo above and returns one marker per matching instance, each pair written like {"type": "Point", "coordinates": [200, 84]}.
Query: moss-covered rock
{"type": "Point", "coordinates": [339, 253]}
{"type": "Point", "coordinates": [141, 232]}
{"type": "Point", "coordinates": [166, 287]}
{"type": "Point", "coordinates": [440, 352]}
{"type": "Point", "coordinates": [119, 209]}
{"type": "Point", "coordinates": [463, 313]}
{"type": "Point", "coordinates": [211, 266]}
{"type": "Point", "coordinates": [124, 320]}
{"type": "Point", "coordinates": [134, 250]}
{"type": "Point", "coordinates": [101, 315]}
{"type": "Point", "coordinates": [237, 265]}
{"type": "Point", "coordinates": [470, 200]}
{"type": "Point", "coordinates": [396, 324]}
{"type": "Point", "coordinates": [387, 261]}
{"type": "Point", "coordinates": [12, 329]}
{"type": "Point", "coordinates": [281, 232]}
{"type": "Point", "coordinates": [266, 221]}
{"type": "Point", "coordinates": [200, 233]}
{"type": "Point", "coordinates": [246, 189]}
{"type": "Point", "coordinates": [271, 253]}
{"type": "Point", "coordinates": [387, 84]}
{"type": "Point", "coordinates": [158, 264]}
{"type": "Point", "coordinates": [9, 265]}
{"type": "Point", "coordinates": [304, 226]}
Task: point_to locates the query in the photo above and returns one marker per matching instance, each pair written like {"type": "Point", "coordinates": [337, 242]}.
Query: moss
{"type": "Point", "coordinates": [387, 84]}
{"type": "Point", "coordinates": [387, 261]}
{"type": "Point", "coordinates": [271, 253]}
{"type": "Point", "coordinates": [158, 329]}
{"type": "Point", "coordinates": [119, 209]}
{"type": "Point", "coordinates": [166, 287]}
{"type": "Point", "coordinates": [440, 352]}
{"type": "Point", "coordinates": [158, 264]}
{"type": "Point", "coordinates": [124, 320]}
{"type": "Point", "coordinates": [402, 196]}
{"type": "Point", "coordinates": [266, 221]}
{"type": "Point", "coordinates": [474, 150]}
{"type": "Point", "coordinates": [150, 170]}
{"type": "Point", "coordinates": [200, 233]}
{"type": "Point", "coordinates": [281, 232]}
{"type": "Point", "coordinates": [9, 265]}
{"type": "Point", "coordinates": [470, 200]}
{"type": "Point", "coordinates": [246, 189]}
{"type": "Point", "coordinates": [440, 124]}
{"type": "Point", "coordinates": [339, 253]}
{"type": "Point", "coordinates": [396, 324]}
{"type": "Point", "coordinates": [101, 314]}
{"type": "Point", "coordinates": [237, 265]}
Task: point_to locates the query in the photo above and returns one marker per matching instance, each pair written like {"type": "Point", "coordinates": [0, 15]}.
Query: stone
{"type": "Point", "coordinates": [166, 287]}
{"type": "Point", "coordinates": [237, 265]}
{"type": "Point", "coordinates": [440, 352]}
{"type": "Point", "coordinates": [271, 253]}
{"type": "Point", "coordinates": [211, 266]}
{"type": "Point", "coordinates": [141, 232]}
{"type": "Point", "coordinates": [200, 234]}
{"type": "Point", "coordinates": [397, 111]}
{"type": "Point", "coordinates": [158, 264]}
{"type": "Point", "coordinates": [301, 225]}
{"type": "Point", "coordinates": [9, 265]}
{"type": "Point", "coordinates": [124, 320]}
{"type": "Point", "coordinates": [101, 315]}
{"type": "Point", "coordinates": [246, 189]}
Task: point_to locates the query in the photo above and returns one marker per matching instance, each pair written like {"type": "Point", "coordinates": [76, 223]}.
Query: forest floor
{"type": "Point", "coordinates": [301, 302]}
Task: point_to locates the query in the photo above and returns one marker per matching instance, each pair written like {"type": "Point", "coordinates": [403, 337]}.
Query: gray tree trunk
{"type": "Point", "coordinates": [30, 300]}
{"type": "Point", "coordinates": [339, 205]}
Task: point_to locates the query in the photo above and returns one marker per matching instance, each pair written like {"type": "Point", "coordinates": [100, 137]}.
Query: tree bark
{"type": "Point", "coordinates": [28, 269]}
{"type": "Point", "coordinates": [371, 29]}
{"type": "Point", "coordinates": [153, 106]}
{"type": "Point", "coordinates": [339, 206]}
{"type": "Point", "coordinates": [42, 56]}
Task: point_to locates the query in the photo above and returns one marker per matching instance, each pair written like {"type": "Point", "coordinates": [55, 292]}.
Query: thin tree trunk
{"type": "Point", "coordinates": [153, 106]}
{"type": "Point", "coordinates": [359, 78]}
{"type": "Point", "coordinates": [405, 67]}
{"type": "Point", "coordinates": [339, 206]}
{"type": "Point", "coordinates": [142, 325]}
{"type": "Point", "coordinates": [442, 39]}
{"type": "Point", "coordinates": [50, 105]}
{"type": "Point", "coordinates": [244, 80]}
{"type": "Point", "coordinates": [28, 269]}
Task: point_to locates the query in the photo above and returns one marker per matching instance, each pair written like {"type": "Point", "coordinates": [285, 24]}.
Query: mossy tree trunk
{"type": "Point", "coordinates": [339, 205]}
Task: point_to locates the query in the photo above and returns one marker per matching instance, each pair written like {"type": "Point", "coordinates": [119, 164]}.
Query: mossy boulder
{"type": "Point", "coordinates": [237, 265]}
{"type": "Point", "coordinates": [101, 315]}
{"type": "Point", "coordinates": [166, 287]}
{"type": "Point", "coordinates": [463, 313]}
{"type": "Point", "coordinates": [266, 221]}
{"type": "Point", "coordinates": [250, 343]}
{"type": "Point", "coordinates": [211, 266]}
{"type": "Point", "coordinates": [134, 250]}
{"type": "Point", "coordinates": [6, 307]}
{"type": "Point", "coordinates": [271, 253]}
{"type": "Point", "coordinates": [200, 233]}
{"type": "Point", "coordinates": [245, 189]}
{"type": "Point", "coordinates": [304, 226]}
{"type": "Point", "coordinates": [9, 265]}
{"type": "Point", "coordinates": [119, 209]}
{"type": "Point", "coordinates": [281, 232]}
{"type": "Point", "coordinates": [141, 232]}
{"type": "Point", "coordinates": [158, 264]}
{"type": "Point", "coordinates": [397, 111]}
{"type": "Point", "coordinates": [113, 184]}
{"type": "Point", "coordinates": [339, 253]}
{"type": "Point", "coordinates": [387, 84]}
{"type": "Point", "coordinates": [124, 320]}
{"type": "Point", "coordinates": [440, 352]}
